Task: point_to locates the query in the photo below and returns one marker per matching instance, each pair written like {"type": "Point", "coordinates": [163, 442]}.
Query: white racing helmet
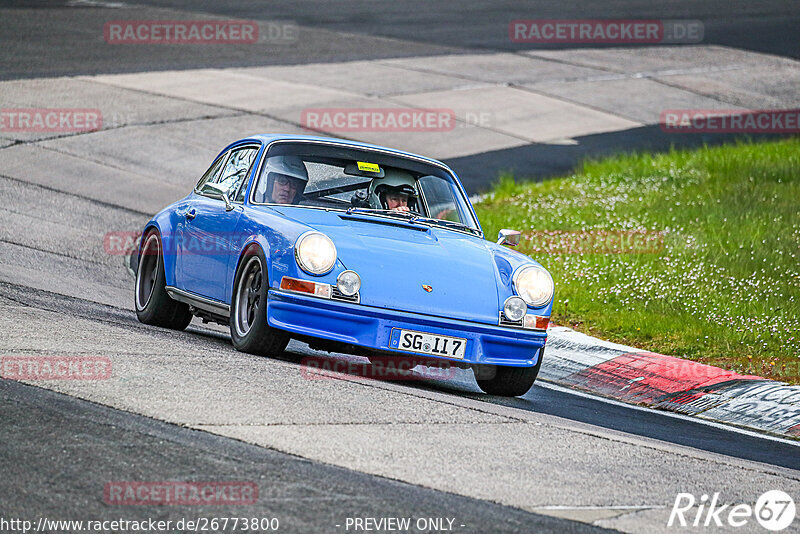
{"type": "Point", "coordinates": [394, 181]}
{"type": "Point", "coordinates": [291, 167]}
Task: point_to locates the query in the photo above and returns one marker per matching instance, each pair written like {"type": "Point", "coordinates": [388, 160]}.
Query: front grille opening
{"type": "Point", "coordinates": [336, 294]}
{"type": "Point", "coordinates": [505, 321]}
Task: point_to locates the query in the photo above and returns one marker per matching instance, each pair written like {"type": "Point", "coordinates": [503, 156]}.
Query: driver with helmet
{"type": "Point", "coordinates": [286, 178]}
{"type": "Point", "coordinates": [396, 191]}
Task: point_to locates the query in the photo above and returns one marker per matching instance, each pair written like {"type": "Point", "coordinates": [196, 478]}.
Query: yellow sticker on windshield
{"type": "Point", "coordinates": [368, 167]}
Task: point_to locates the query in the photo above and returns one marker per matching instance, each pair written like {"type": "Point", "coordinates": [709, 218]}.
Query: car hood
{"type": "Point", "coordinates": [397, 261]}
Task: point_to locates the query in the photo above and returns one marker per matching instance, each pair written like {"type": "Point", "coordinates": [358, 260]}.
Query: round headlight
{"type": "Point", "coordinates": [534, 285]}
{"type": "Point", "coordinates": [348, 283]}
{"type": "Point", "coordinates": [515, 308]}
{"type": "Point", "coordinates": [315, 253]}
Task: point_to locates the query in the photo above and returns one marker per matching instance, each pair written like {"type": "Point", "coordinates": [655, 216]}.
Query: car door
{"type": "Point", "coordinates": [208, 239]}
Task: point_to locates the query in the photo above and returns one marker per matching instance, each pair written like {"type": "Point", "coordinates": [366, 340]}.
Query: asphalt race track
{"type": "Point", "coordinates": [305, 496]}
{"type": "Point", "coordinates": [185, 406]}
{"type": "Point", "coordinates": [39, 36]}
{"type": "Point", "coordinates": [400, 430]}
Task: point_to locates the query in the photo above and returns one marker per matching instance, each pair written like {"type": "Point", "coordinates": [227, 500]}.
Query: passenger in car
{"type": "Point", "coordinates": [395, 191]}
{"type": "Point", "coordinates": [286, 178]}
{"type": "Point", "coordinates": [397, 200]}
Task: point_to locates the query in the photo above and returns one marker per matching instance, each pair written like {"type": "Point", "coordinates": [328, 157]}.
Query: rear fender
{"type": "Point", "coordinates": [167, 244]}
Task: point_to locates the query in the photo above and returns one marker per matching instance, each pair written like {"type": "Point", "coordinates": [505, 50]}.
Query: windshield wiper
{"type": "Point", "coordinates": [356, 209]}
{"type": "Point", "coordinates": [387, 213]}
{"type": "Point", "coordinates": [413, 217]}
{"type": "Point", "coordinates": [445, 222]}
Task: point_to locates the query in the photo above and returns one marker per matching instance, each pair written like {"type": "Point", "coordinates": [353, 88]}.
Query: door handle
{"type": "Point", "coordinates": [191, 214]}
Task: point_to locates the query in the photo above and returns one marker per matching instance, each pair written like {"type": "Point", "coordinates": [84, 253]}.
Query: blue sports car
{"type": "Point", "coordinates": [348, 247]}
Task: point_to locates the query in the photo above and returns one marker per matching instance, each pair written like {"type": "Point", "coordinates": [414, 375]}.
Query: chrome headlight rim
{"type": "Point", "coordinates": [338, 285]}
{"type": "Point", "coordinates": [515, 282]}
{"type": "Point", "coordinates": [299, 260]}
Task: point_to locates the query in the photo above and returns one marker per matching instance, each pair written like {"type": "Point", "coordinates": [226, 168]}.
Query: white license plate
{"type": "Point", "coordinates": [435, 345]}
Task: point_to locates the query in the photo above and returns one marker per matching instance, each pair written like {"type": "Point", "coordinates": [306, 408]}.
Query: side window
{"type": "Point", "coordinates": [212, 173]}
{"type": "Point", "coordinates": [440, 198]}
{"type": "Point", "coordinates": [243, 186]}
{"type": "Point", "coordinates": [236, 170]}
{"type": "Point", "coordinates": [240, 195]}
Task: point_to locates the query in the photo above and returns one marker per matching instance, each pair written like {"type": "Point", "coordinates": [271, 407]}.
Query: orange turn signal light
{"type": "Point", "coordinates": [305, 286]}
{"type": "Point", "coordinates": [536, 322]}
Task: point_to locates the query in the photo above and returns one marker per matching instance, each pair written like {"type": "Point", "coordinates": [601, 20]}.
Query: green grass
{"type": "Point", "coordinates": [720, 284]}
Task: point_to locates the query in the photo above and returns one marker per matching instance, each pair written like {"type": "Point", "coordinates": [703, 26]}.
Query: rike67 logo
{"type": "Point", "coordinates": [774, 510]}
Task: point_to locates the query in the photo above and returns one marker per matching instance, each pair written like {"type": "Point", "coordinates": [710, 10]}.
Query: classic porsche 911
{"type": "Point", "coordinates": [348, 247]}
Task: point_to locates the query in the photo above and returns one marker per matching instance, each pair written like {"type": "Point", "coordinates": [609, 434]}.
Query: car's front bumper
{"type": "Point", "coordinates": [371, 327]}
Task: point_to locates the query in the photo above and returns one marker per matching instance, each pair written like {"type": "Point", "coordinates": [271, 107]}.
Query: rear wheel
{"type": "Point", "coordinates": [153, 305]}
{"type": "Point", "coordinates": [507, 381]}
{"type": "Point", "coordinates": [248, 322]}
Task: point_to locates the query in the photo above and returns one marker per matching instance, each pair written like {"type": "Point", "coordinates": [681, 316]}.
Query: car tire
{"type": "Point", "coordinates": [508, 381]}
{"type": "Point", "coordinates": [153, 305]}
{"type": "Point", "coordinates": [248, 321]}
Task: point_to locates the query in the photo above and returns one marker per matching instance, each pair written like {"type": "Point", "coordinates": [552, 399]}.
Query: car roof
{"type": "Point", "coordinates": [268, 138]}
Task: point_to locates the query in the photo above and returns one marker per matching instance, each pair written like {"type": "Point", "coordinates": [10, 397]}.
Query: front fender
{"type": "Point", "coordinates": [275, 234]}
{"type": "Point", "coordinates": [507, 261]}
{"type": "Point", "coordinates": [249, 241]}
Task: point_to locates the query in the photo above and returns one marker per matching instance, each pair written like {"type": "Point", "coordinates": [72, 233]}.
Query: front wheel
{"type": "Point", "coordinates": [248, 322]}
{"type": "Point", "coordinates": [507, 381]}
{"type": "Point", "coordinates": [153, 305]}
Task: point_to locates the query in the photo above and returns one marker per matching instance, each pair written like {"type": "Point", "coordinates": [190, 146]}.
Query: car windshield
{"type": "Point", "coordinates": [362, 181]}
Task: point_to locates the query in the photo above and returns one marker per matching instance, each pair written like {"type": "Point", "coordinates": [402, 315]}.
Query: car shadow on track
{"type": "Point", "coordinates": [646, 423]}
{"type": "Point", "coordinates": [541, 399]}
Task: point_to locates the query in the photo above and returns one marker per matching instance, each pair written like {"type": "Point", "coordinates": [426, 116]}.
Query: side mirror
{"type": "Point", "coordinates": [509, 238]}
{"type": "Point", "coordinates": [219, 192]}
